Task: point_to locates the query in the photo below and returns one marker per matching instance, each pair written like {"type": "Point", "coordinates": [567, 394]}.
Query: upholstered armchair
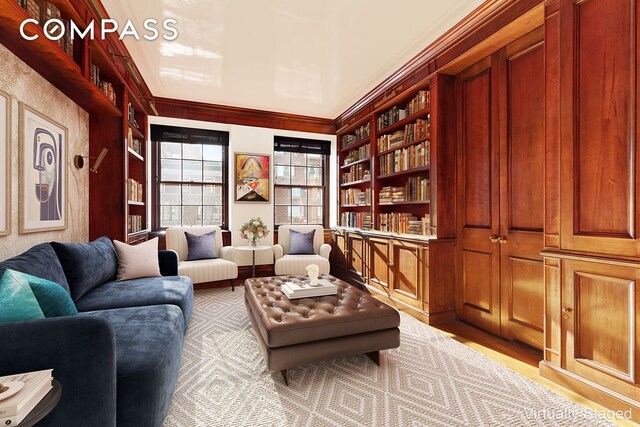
{"type": "Point", "coordinates": [203, 270]}
{"type": "Point", "coordinates": [289, 262]}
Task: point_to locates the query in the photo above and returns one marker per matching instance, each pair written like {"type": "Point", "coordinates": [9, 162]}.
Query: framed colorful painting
{"type": "Point", "coordinates": [5, 160]}
{"type": "Point", "coordinates": [252, 177]}
{"type": "Point", "coordinates": [43, 173]}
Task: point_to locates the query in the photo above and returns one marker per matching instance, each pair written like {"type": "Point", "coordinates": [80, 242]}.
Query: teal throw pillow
{"type": "Point", "coordinates": [54, 300]}
{"type": "Point", "coordinates": [17, 301]}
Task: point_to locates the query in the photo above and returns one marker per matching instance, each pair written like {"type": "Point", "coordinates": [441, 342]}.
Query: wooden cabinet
{"type": "Point", "coordinates": [501, 191]}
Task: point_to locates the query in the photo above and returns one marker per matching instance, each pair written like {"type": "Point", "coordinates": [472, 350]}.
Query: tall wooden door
{"type": "Point", "coordinates": [522, 189]}
{"type": "Point", "coordinates": [501, 181]}
{"type": "Point", "coordinates": [478, 293]}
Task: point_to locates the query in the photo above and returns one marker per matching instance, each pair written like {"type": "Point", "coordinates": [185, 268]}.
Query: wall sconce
{"type": "Point", "coordinates": [78, 161]}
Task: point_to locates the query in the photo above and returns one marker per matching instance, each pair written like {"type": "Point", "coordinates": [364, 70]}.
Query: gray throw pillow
{"type": "Point", "coordinates": [301, 243]}
{"type": "Point", "coordinates": [201, 247]}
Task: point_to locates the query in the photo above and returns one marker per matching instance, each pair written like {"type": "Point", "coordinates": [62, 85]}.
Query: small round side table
{"type": "Point", "coordinates": [253, 249]}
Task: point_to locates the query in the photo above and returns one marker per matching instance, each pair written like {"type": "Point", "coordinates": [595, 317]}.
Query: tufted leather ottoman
{"type": "Point", "coordinates": [295, 332]}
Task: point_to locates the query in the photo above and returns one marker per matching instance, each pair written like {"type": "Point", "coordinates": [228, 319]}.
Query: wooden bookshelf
{"type": "Point", "coordinates": [346, 166]}
{"type": "Point", "coordinates": [355, 183]}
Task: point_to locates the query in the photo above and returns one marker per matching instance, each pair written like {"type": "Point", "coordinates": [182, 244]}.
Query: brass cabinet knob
{"type": "Point", "coordinates": [493, 238]}
{"type": "Point", "coordinates": [565, 312]}
{"type": "Point", "coordinates": [502, 240]}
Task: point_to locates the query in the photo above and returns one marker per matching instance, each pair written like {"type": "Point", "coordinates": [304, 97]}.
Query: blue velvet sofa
{"type": "Point", "coordinates": [118, 359]}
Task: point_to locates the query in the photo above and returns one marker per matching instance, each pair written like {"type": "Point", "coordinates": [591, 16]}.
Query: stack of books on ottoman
{"type": "Point", "coordinates": [20, 393]}
{"type": "Point", "coordinates": [295, 290]}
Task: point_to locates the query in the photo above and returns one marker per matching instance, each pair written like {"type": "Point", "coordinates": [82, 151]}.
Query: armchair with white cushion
{"type": "Point", "coordinates": [203, 270]}
{"type": "Point", "coordinates": [291, 263]}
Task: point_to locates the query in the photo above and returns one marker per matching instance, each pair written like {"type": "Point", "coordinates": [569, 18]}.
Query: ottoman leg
{"type": "Point", "coordinates": [375, 356]}
{"type": "Point", "coordinates": [284, 377]}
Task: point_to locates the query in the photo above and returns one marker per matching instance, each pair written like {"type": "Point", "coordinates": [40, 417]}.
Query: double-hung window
{"type": "Point", "coordinates": [301, 181]}
{"type": "Point", "coordinates": [191, 175]}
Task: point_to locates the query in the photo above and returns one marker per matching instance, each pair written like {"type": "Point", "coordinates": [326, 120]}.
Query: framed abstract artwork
{"type": "Point", "coordinates": [252, 177]}
{"type": "Point", "coordinates": [5, 161]}
{"type": "Point", "coordinates": [43, 173]}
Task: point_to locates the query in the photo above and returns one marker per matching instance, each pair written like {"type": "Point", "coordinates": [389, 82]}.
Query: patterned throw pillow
{"type": "Point", "coordinates": [201, 247]}
{"type": "Point", "coordinates": [17, 301]}
{"type": "Point", "coordinates": [301, 243]}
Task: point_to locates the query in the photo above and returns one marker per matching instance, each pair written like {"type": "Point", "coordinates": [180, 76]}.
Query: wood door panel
{"type": "Point", "coordinates": [407, 275]}
{"type": "Point", "coordinates": [526, 296]}
{"type": "Point", "coordinates": [477, 272]}
{"type": "Point", "coordinates": [379, 253]}
{"type": "Point", "coordinates": [553, 310]}
{"type": "Point", "coordinates": [604, 118]}
{"type": "Point", "coordinates": [525, 139]}
{"type": "Point", "coordinates": [355, 260]}
{"type": "Point", "coordinates": [476, 149]}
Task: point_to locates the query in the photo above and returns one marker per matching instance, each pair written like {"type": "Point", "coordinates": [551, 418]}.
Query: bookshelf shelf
{"type": "Point", "coordinates": [355, 183]}
{"type": "Point", "coordinates": [368, 159]}
{"type": "Point", "coordinates": [134, 154]}
{"type": "Point", "coordinates": [355, 206]}
{"type": "Point", "coordinates": [136, 132]}
{"type": "Point", "coordinates": [400, 124]}
{"type": "Point", "coordinates": [408, 202]}
{"type": "Point", "coordinates": [355, 145]}
{"type": "Point", "coordinates": [132, 203]}
{"type": "Point", "coordinates": [413, 171]}
{"type": "Point", "coordinates": [405, 145]}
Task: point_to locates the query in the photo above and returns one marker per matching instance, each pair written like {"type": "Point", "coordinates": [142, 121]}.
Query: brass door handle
{"type": "Point", "coordinates": [494, 239]}
{"type": "Point", "coordinates": [565, 312]}
{"type": "Point", "coordinates": [502, 240]}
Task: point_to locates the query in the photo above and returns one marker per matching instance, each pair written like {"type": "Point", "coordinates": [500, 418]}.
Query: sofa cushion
{"type": "Point", "coordinates": [174, 290]}
{"type": "Point", "coordinates": [17, 299]}
{"type": "Point", "coordinates": [301, 243]}
{"type": "Point", "coordinates": [86, 265]}
{"type": "Point", "coordinates": [137, 261]}
{"type": "Point", "coordinates": [297, 264]}
{"type": "Point", "coordinates": [201, 247]}
{"type": "Point", "coordinates": [53, 300]}
{"type": "Point", "coordinates": [148, 351]}
{"type": "Point", "coordinates": [208, 270]}
{"type": "Point", "coordinates": [40, 261]}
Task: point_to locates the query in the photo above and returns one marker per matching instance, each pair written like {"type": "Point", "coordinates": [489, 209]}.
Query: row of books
{"type": "Point", "coordinates": [35, 386]}
{"type": "Point", "coordinates": [359, 172]}
{"type": "Point", "coordinates": [417, 189]}
{"type": "Point", "coordinates": [132, 116]}
{"type": "Point", "coordinates": [358, 135]}
{"type": "Point", "coordinates": [356, 220]}
{"type": "Point", "coordinates": [420, 129]}
{"type": "Point", "coordinates": [135, 144]}
{"type": "Point", "coordinates": [419, 103]}
{"type": "Point", "coordinates": [358, 154]}
{"type": "Point", "coordinates": [404, 223]}
{"type": "Point", "coordinates": [391, 195]}
{"type": "Point", "coordinates": [135, 190]}
{"type": "Point", "coordinates": [395, 114]}
{"type": "Point", "coordinates": [414, 156]}
{"type": "Point", "coordinates": [135, 223]}
{"type": "Point", "coordinates": [105, 87]}
{"type": "Point", "coordinates": [43, 11]}
{"type": "Point", "coordinates": [355, 196]}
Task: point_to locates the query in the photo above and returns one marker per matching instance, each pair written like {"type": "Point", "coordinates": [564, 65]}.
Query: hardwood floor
{"type": "Point", "coordinates": [516, 356]}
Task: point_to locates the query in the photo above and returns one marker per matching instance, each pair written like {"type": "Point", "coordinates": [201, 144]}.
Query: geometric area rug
{"type": "Point", "coordinates": [430, 380]}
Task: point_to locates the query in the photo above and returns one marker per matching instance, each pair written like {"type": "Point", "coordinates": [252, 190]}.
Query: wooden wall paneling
{"type": "Point", "coordinates": [408, 271]}
{"type": "Point", "coordinates": [553, 327]}
{"type": "Point", "coordinates": [356, 256]}
{"type": "Point", "coordinates": [338, 253]}
{"type": "Point", "coordinates": [438, 292]}
{"type": "Point", "coordinates": [379, 261]}
{"type": "Point", "coordinates": [478, 294]}
{"type": "Point", "coordinates": [598, 116]}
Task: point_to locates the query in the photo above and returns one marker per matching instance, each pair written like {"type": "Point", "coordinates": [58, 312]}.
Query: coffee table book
{"type": "Point", "coordinates": [294, 290]}
{"type": "Point", "coordinates": [36, 386]}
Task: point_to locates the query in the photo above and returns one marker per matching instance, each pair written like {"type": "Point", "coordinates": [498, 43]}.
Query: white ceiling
{"type": "Point", "coordinates": [314, 58]}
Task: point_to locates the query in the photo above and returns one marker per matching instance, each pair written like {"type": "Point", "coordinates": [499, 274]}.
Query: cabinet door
{"type": "Point", "coordinates": [409, 270]}
{"type": "Point", "coordinates": [356, 257]}
{"type": "Point", "coordinates": [478, 293]}
{"type": "Point", "coordinates": [522, 189]}
{"type": "Point", "coordinates": [379, 259]}
{"type": "Point", "coordinates": [600, 315]}
{"type": "Point", "coordinates": [598, 126]}
{"type": "Point", "coordinates": [338, 252]}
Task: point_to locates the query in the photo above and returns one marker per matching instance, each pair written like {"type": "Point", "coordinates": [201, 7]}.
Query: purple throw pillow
{"type": "Point", "coordinates": [201, 247]}
{"type": "Point", "coordinates": [301, 243]}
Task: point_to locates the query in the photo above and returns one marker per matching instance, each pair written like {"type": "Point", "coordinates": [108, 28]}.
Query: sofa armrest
{"type": "Point", "coordinates": [278, 252]}
{"type": "Point", "coordinates": [168, 261]}
{"type": "Point", "coordinates": [228, 253]}
{"type": "Point", "coordinates": [325, 250]}
{"type": "Point", "coordinates": [81, 351]}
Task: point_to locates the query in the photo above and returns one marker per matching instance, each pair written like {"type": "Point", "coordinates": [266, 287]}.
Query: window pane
{"type": "Point", "coordinates": [170, 216]}
{"type": "Point", "coordinates": [192, 151]}
{"type": "Point", "coordinates": [314, 160]}
{"type": "Point", "coordinates": [191, 195]}
{"type": "Point", "coordinates": [212, 171]}
{"type": "Point", "coordinates": [315, 214]}
{"type": "Point", "coordinates": [314, 176]}
{"type": "Point", "coordinates": [170, 170]}
{"type": "Point", "coordinates": [212, 195]}
{"type": "Point", "coordinates": [299, 196]}
{"type": "Point", "coordinates": [282, 215]}
{"type": "Point", "coordinates": [315, 196]}
{"type": "Point", "coordinates": [170, 194]}
{"type": "Point", "coordinates": [212, 215]}
{"type": "Point", "coordinates": [283, 196]}
{"type": "Point", "coordinates": [282, 175]}
{"type": "Point", "coordinates": [281, 158]}
{"type": "Point", "coordinates": [298, 176]}
{"type": "Point", "coordinates": [212, 152]}
{"type": "Point", "coordinates": [170, 150]}
{"type": "Point", "coordinates": [192, 171]}
{"type": "Point", "coordinates": [192, 215]}
{"type": "Point", "coordinates": [298, 159]}
{"type": "Point", "coordinates": [298, 214]}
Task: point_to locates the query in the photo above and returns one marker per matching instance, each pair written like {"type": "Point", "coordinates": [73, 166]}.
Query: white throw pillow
{"type": "Point", "coordinates": [137, 261]}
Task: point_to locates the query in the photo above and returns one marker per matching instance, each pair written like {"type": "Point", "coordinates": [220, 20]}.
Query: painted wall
{"type": "Point", "coordinates": [255, 140]}
{"type": "Point", "coordinates": [23, 84]}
